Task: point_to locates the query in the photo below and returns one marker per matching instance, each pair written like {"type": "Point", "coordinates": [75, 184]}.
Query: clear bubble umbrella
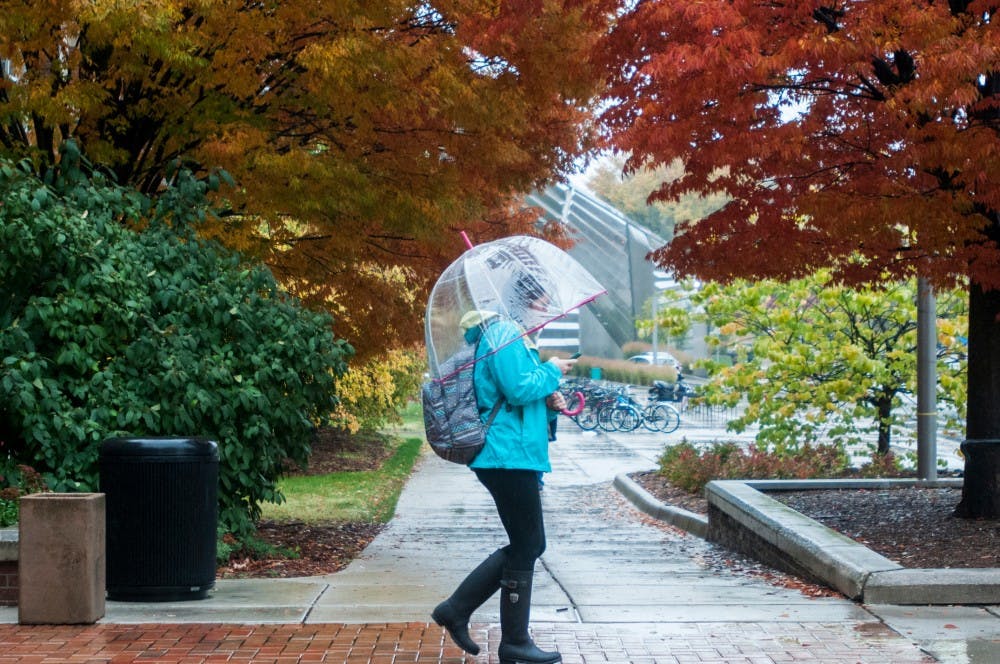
{"type": "Point", "coordinates": [525, 279]}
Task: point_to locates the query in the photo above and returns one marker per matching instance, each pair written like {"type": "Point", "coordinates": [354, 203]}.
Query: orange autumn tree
{"type": "Point", "coordinates": [857, 135]}
{"type": "Point", "coordinates": [361, 135]}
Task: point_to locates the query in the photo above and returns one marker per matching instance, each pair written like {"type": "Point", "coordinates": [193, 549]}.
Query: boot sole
{"type": "Point", "coordinates": [442, 623]}
{"type": "Point", "coordinates": [554, 659]}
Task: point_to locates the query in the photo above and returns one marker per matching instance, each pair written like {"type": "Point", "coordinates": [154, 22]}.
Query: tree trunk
{"type": "Point", "coordinates": [981, 488]}
{"type": "Point", "coordinates": [884, 426]}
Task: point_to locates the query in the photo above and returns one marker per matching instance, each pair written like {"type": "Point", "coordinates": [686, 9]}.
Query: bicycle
{"type": "Point", "coordinates": [661, 417]}
{"type": "Point", "coordinates": [590, 418]}
{"type": "Point", "coordinates": [663, 413]}
{"type": "Point", "coordinates": [593, 395]}
{"type": "Point", "coordinates": [620, 413]}
{"type": "Point", "coordinates": [616, 410]}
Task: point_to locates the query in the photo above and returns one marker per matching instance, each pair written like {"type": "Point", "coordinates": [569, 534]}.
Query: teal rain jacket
{"type": "Point", "coordinates": [519, 436]}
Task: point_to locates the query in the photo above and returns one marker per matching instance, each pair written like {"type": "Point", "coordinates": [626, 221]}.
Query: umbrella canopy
{"type": "Point", "coordinates": [522, 278]}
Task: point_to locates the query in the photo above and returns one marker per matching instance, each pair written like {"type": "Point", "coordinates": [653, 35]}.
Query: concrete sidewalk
{"type": "Point", "coordinates": [613, 586]}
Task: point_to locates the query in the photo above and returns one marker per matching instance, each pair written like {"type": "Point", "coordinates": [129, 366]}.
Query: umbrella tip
{"type": "Point", "coordinates": [468, 242]}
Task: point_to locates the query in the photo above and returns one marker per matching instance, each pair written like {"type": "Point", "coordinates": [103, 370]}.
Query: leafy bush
{"type": "Point", "coordinates": [375, 393]}
{"type": "Point", "coordinates": [16, 480]}
{"type": "Point", "coordinates": [8, 510]}
{"type": "Point", "coordinates": [883, 465]}
{"type": "Point", "coordinates": [106, 331]}
{"type": "Point", "coordinates": [685, 467]}
{"type": "Point", "coordinates": [251, 546]}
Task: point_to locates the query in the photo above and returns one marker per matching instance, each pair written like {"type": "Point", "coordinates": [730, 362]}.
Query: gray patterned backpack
{"type": "Point", "coordinates": [451, 410]}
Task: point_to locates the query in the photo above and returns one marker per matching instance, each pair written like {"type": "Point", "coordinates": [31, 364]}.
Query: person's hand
{"type": "Point", "coordinates": [564, 365]}
{"type": "Point", "coordinates": [556, 401]}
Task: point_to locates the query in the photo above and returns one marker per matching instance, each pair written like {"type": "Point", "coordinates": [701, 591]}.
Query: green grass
{"type": "Point", "coordinates": [366, 496]}
{"type": "Point", "coordinates": [413, 421]}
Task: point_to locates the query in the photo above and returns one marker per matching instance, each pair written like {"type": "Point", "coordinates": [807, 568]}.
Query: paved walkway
{"type": "Point", "coordinates": [613, 586]}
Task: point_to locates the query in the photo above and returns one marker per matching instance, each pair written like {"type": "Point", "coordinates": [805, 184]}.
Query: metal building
{"type": "Point", "coordinates": [614, 250]}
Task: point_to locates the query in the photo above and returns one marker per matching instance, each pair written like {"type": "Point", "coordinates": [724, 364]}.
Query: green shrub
{"type": "Point", "coordinates": [16, 480]}
{"type": "Point", "coordinates": [882, 465]}
{"type": "Point", "coordinates": [685, 467]}
{"type": "Point", "coordinates": [251, 546]}
{"type": "Point", "coordinates": [8, 511]}
{"type": "Point", "coordinates": [106, 331]}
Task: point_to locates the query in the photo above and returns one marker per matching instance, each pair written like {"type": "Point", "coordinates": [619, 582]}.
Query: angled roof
{"type": "Point", "coordinates": [609, 245]}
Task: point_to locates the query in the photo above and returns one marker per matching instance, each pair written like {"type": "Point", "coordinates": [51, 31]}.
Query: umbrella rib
{"type": "Point", "coordinates": [527, 332]}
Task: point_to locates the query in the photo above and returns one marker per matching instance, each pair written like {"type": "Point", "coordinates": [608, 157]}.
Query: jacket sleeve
{"type": "Point", "coordinates": [519, 375]}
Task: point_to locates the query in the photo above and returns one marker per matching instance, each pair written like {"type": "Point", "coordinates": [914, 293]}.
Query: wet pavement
{"type": "Point", "coordinates": [613, 586]}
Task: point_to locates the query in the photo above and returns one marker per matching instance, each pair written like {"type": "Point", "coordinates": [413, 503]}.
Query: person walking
{"type": "Point", "coordinates": [516, 451]}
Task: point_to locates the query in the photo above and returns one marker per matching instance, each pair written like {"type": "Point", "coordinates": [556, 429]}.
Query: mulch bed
{"type": "Point", "coordinates": [913, 527]}
{"type": "Point", "coordinates": [317, 548]}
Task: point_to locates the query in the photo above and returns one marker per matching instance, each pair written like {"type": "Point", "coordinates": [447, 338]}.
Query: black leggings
{"type": "Point", "coordinates": [519, 504]}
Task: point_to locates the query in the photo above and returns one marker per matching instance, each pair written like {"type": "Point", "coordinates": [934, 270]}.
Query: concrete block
{"type": "Point", "coordinates": [8, 544]}
{"type": "Point", "coordinates": [61, 558]}
{"type": "Point", "coordinates": [749, 521]}
{"type": "Point", "coordinates": [934, 586]}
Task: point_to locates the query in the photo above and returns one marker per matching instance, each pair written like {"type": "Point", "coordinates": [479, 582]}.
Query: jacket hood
{"type": "Point", "coordinates": [474, 322]}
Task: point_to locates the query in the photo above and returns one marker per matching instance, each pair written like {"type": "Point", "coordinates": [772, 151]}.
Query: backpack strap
{"type": "Point", "coordinates": [494, 411]}
{"type": "Point", "coordinates": [502, 400]}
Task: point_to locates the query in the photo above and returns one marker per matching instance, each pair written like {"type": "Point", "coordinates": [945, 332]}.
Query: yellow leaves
{"type": "Point", "coordinates": [329, 58]}
{"type": "Point", "coordinates": [372, 391]}
{"type": "Point", "coordinates": [358, 133]}
{"type": "Point", "coordinates": [821, 350]}
{"type": "Point", "coordinates": [731, 328]}
{"type": "Point", "coordinates": [950, 327]}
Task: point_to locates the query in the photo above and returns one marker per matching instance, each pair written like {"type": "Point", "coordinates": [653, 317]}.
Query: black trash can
{"type": "Point", "coordinates": [161, 497]}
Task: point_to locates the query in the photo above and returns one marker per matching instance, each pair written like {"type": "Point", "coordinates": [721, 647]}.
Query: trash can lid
{"type": "Point", "coordinates": [160, 446]}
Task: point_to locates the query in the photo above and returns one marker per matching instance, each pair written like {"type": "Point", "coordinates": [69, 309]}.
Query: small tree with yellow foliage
{"type": "Point", "coordinates": [821, 359]}
{"type": "Point", "coordinates": [373, 393]}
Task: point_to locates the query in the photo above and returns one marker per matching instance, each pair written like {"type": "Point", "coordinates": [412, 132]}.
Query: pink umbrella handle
{"type": "Point", "coordinates": [581, 401]}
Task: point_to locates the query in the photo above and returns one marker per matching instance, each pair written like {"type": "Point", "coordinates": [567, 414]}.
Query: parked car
{"type": "Point", "coordinates": [663, 358]}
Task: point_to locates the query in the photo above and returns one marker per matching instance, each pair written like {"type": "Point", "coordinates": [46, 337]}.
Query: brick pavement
{"type": "Point", "coordinates": [718, 643]}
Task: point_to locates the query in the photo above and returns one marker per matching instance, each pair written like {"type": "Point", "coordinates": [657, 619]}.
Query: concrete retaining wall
{"type": "Point", "coordinates": [8, 567]}
{"type": "Point", "coordinates": [746, 520]}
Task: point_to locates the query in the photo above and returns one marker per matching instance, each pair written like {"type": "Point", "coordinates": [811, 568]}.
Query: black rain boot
{"type": "Point", "coordinates": [453, 614]}
{"type": "Point", "coordinates": [516, 646]}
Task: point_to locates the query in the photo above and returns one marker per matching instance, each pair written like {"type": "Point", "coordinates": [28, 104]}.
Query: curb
{"type": "Point", "coordinates": [794, 541]}
{"type": "Point", "coordinates": [696, 524]}
{"type": "Point", "coordinates": [821, 552]}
